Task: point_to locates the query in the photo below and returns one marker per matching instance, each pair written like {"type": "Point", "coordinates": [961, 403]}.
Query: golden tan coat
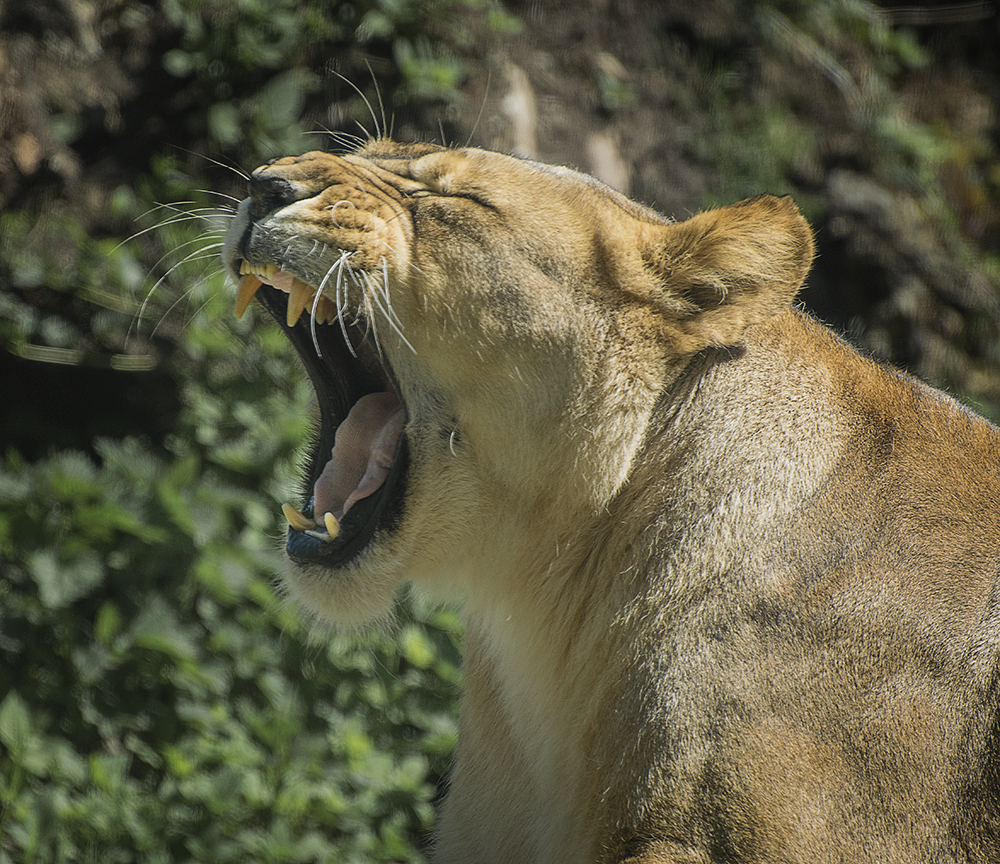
{"type": "Point", "coordinates": [731, 588]}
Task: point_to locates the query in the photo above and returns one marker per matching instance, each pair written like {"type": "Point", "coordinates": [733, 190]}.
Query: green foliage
{"type": "Point", "coordinates": [429, 73]}
{"type": "Point", "coordinates": [164, 705]}
{"type": "Point", "coordinates": [251, 65]}
{"type": "Point", "coordinates": [750, 132]}
{"type": "Point", "coordinates": [848, 45]}
{"type": "Point", "coordinates": [254, 62]}
{"type": "Point", "coordinates": [221, 37]}
{"type": "Point", "coordinates": [67, 290]}
{"type": "Point", "coordinates": [426, 38]}
{"type": "Point", "coordinates": [160, 701]}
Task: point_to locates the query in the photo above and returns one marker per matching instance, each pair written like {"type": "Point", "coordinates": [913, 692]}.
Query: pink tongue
{"type": "Point", "coordinates": [281, 280]}
{"type": "Point", "coordinates": [363, 450]}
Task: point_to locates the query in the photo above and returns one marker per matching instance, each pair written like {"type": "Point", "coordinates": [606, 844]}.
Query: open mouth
{"type": "Point", "coordinates": [357, 468]}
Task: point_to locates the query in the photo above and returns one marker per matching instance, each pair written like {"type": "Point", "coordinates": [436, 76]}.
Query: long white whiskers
{"type": "Point", "coordinates": [340, 292]}
{"type": "Point", "coordinates": [369, 314]}
{"type": "Point", "coordinates": [312, 320]}
{"type": "Point", "coordinates": [388, 299]}
{"type": "Point", "coordinates": [319, 293]}
{"type": "Point", "coordinates": [374, 294]}
{"type": "Point", "coordinates": [203, 253]}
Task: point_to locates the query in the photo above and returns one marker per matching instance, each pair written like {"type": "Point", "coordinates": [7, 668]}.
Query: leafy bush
{"type": "Point", "coordinates": [161, 702]}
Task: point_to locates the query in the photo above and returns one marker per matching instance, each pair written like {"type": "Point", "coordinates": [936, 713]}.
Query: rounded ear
{"type": "Point", "coordinates": [716, 273]}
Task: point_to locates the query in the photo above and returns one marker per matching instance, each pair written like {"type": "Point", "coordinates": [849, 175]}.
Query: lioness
{"type": "Point", "coordinates": [731, 589]}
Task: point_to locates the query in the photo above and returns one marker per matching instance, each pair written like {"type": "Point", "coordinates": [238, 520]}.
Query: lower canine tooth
{"type": "Point", "coordinates": [296, 519]}
{"type": "Point", "coordinates": [326, 311]}
{"type": "Point", "coordinates": [332, 525]}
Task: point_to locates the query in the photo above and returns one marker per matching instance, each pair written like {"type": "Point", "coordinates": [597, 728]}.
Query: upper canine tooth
{"type": "Point", "coordinates": [299, 297]}
{"type": "Point", "coordinates": [244, 293]}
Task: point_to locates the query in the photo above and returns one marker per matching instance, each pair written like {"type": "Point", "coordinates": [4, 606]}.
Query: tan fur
{"type": "Point", "coordinates": [731, 588]}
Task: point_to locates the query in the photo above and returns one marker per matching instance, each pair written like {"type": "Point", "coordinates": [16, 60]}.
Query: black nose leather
{"type": "Point", "coordinates": [269, 192]}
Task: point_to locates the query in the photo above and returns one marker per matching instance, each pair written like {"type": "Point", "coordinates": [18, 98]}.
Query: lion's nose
{"type": "Point", "coordinates": [269, 191]}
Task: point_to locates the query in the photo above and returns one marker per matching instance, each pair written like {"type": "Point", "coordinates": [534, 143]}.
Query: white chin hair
{"type": "Point", "coordinates": [346, 597]}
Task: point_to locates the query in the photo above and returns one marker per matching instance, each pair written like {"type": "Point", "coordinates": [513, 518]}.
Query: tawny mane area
{"type": "Point", "coordinates": [730, 588]}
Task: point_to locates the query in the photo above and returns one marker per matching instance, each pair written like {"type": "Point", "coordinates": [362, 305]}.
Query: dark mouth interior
{"type": "Point", "coordinates": [340, 379]}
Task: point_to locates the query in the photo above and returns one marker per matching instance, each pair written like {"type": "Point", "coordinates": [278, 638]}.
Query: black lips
{"type": "Point", "coordinates": [340, 380]}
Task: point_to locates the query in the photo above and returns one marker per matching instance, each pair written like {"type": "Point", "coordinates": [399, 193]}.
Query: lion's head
{"type": "Point", "coordinates": [487, 337]}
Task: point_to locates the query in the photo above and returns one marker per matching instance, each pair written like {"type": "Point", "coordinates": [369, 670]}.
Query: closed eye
{"type": "Point", "coordinates": [474, 198]}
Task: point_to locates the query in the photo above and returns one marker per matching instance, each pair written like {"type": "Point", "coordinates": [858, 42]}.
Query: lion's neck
{"type": "Point", "coordinates": [531, 679]}
{"type": "Point", "coordinates": [553, 638]}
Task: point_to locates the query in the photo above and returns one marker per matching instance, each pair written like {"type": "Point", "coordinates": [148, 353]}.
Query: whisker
{"type": "Point", "coordinates": [234, 168]}
{"type": "Point", "coordinates": [369, 315]}
{"type": "Point", "coordinates": [482, 108]}
{"type": "Point", "coordinates": [155, 207]}
{"type": "Point", "coordinates": [312, 320]}
{"type": "Point", "coordinates": [174, 220]}
{"type": "Point", "coordinates": [176, 249]}
{"type": "Point", "coordinates": [178, 208]}
{"type": "Point", "coordinates": [409, 264]}
{"type": "Point", "coordinates": [206, 253]}
{"type": "Point", "coordinates": [166, 314]}
{"type": "Point", "coordinates": [371, 111]}
{"type": "Point", "coordinates": [333, 210]}
{"type": "Point", "coordinates": [374, 294]}
{"type": "Point", "coordinates": [180, 216]}
{"type": "Point", "coordinates": [385, 291]}
{"type": "Point", "coordinates": [386, 128]}
{"type": "Point", "coordinates": [361, 126]}
{"type": "Point", "coordinates": [346, 141]}
{"type": "Point", "coordinates": [220, 194]}
{"type": "Point", "coordinates": [340, 294]}
{"type": "Point", "coordinates": [196, 311]}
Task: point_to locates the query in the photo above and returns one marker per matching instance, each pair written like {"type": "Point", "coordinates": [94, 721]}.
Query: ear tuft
{"type": "Point", "coordinates": [719, 272]}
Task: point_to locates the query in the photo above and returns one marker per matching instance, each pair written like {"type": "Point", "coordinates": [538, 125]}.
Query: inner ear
{"type": "Point", "coordinates": [717, 273]}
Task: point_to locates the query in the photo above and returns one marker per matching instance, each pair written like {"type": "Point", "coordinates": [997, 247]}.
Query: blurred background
{"type": "Point", "coordinates": [159, 700]}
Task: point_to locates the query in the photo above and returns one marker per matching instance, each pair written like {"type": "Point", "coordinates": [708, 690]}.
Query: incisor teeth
{"type": "Point", "coordinates": [301, 522]}
{"type": "Point", "coordinates": [245, 292]}
{"type": "Point", "coordinates": [298, 299]}
{"type": "Point", "coordinates": [265, 270]}
{"type": "Point", "coordinates": [296, 519]}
